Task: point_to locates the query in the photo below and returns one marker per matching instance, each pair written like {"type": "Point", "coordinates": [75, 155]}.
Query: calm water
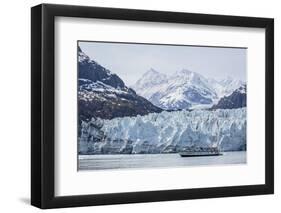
{"type": "Point", "coordinates": [100, 162]}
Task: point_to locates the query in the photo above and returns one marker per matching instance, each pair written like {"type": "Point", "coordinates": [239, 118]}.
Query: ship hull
{"type": "Point", "coordinates": [199, 154]}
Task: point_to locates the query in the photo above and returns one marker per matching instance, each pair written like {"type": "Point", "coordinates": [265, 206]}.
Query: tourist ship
{"type": "Point", "coordinates": [200, 151]}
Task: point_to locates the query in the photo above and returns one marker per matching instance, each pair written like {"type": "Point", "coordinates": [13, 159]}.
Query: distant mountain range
{"type": "Point", "coordinates": [103, 94]}
{"type": "Point", "coordinates": [186, 90]}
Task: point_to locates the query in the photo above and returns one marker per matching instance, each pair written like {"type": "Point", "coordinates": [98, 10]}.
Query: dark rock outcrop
{"type": "Point", "coordinates": [237, 99]}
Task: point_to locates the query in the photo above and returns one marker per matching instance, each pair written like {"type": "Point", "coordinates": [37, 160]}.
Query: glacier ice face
{"type": "Point", "coordinates": [165, 132]}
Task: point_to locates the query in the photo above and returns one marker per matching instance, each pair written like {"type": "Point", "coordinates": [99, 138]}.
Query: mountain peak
{"type": "Point", "coordinates": [79, 49]}
{"type": "Point", "coordinates": [152, 77]}
{"type": "Point", "coordinates": [91, 70]}
{"type": "Point", "coordinates": [237, 99]}
{"type": "Point", "coordinates": [189, 77]}
{"type": "Point", "coordinates": [184, 72]}
{"type": "Point", "coordinates": [151, 72]}
{"type": "Point", "coordinates": [187, 74]}
{"type": "Point", "coordinates": [82, 57]}
{"type": "Point", "coordinates": [242, 89]}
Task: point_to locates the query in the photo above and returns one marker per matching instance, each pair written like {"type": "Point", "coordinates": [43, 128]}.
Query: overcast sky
{"type": "Point", "coordinates": [131, 61]}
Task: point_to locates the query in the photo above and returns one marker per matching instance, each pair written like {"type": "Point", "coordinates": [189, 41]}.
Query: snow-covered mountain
{"type": "Point", "coordinates": [150, 79]}
{"type": "Point", "coordinates": [103, 94]}
{"type": "Point", "coordinates": [237, 99]}
{"type": "Point", "coordinates": [225, 87]}
{"type": "Point", "coordinates": [184, 89]}
{"type": "Point", "coordinates": [165, 132]}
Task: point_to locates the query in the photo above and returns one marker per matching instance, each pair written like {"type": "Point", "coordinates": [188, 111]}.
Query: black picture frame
{"type": "Point", "coordinates": [43, 105]}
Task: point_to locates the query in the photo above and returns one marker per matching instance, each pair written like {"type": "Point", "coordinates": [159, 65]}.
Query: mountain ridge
{"type": "Point", "coordinates": [103, 94]}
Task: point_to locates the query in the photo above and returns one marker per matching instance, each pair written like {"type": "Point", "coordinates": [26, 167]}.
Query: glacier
{"type": "Point", "coordinates": [165, 132]}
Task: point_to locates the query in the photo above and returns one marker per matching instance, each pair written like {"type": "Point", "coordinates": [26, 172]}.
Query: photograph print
{"type": "Point", "coordinates": [160, 105]}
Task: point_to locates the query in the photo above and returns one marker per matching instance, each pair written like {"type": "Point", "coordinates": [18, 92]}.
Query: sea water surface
{"type": "Point", "coordinates": [128, 161]}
